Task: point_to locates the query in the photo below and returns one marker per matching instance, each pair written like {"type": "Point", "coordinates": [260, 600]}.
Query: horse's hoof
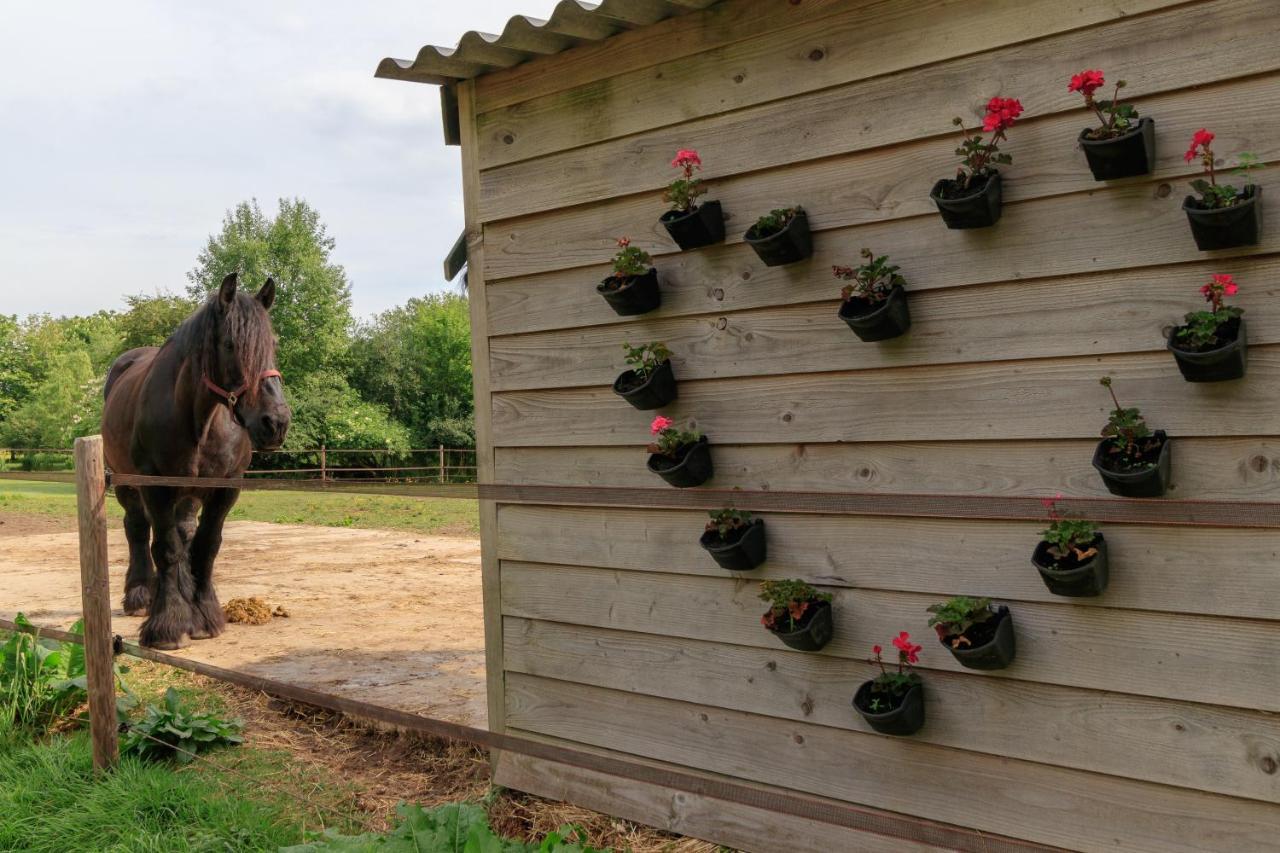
{"type": "Point", "coordinates": [137, 601]}
{"type": "Point", "coordinates": [167, 645]}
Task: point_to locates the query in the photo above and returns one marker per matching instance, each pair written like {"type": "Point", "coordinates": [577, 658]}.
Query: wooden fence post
{"type": "Point", "coordinates": [323, 474]}
{"type": "Point", "coordinates": [95, 597]}
{"type": "Point", "coordinates": [442, 463]}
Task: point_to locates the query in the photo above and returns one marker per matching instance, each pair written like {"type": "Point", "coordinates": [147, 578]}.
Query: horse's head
{"type": "Point", "coordinates": [240, 363]}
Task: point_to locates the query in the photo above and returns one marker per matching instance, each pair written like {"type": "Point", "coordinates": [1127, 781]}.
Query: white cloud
{"type": "Point", "coordinates": [128, 128]}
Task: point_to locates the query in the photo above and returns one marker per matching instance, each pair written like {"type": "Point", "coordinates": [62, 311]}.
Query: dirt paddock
{"type": "Point", "coordinates": [386, 617]}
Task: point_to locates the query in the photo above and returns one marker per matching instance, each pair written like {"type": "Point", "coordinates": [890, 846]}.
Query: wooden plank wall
{"type": "Point", "coordinates": [1142, 720]}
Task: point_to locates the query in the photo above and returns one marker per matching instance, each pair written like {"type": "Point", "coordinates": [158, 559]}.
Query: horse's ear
{"type": "Point", "coordinates": [227, 292]}
{"type": "Point", "coordinates": [267, 294]}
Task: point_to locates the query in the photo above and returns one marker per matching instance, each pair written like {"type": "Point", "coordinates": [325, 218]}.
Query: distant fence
{"type": "Point", "coordinates": [440, 464]}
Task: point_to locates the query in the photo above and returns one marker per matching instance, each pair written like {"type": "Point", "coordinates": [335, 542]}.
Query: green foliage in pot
{"type": "Point", "coordinates": [668, 438]}
{"type": "Point", "coordinates": [646, 358]}
{"type": "Point", "coordinates": [888, 688]}
{"type": "Point", "coordinates": [728, 522]}
{"type": "Point", "coordinates": [789, 601]}
{"type": "Point", "coordinates": [1128, 431]}
{"type": "Point", "coordinates": [1068, 536]}
{"type": "Point", "coordinates": [1201, 330]}
{"type": "Point", "coordinates": [682, 193]}
{"type": "Point", "coordinates": [1213, 195]}
{"type": "Point", "coordinates": [773, 222]}
{"type": "Point", "coordinates": [871, 281]}
{"type": "Point", "coordinates": [954, 617]}
{"type": "Point", "coordinates": [630, 260]}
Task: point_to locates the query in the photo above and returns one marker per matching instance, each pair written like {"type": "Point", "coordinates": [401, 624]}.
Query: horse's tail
{"type": "Point", "coordinates": [120, 365]}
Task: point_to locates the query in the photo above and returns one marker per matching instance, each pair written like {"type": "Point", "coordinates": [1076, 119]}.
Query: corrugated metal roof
{"type": "Point", "coordinates": [571, 23]}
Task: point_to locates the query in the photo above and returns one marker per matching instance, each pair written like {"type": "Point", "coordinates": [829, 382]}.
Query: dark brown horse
{"type": "Point", "coordinates": [195, 407]}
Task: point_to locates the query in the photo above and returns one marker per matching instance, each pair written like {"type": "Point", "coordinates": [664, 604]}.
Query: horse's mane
{"type": "Point", "coordinates": [196, 339]}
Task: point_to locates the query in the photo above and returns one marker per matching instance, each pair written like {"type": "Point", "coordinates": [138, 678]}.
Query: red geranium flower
{"type": "Point", "coordinates": [876, 650]}
{"type": "Point", "coordinates": [1086, 83]}
{"type": "Point", "coordinates": [1001, 113]}
{"type": "Point", "coordinates": [1201, 139]}
{"type": "Point", "coordinates": [659, 424]}
{"type": "Point", "coordinates": [687, 158]}
{"type": "Point", "coordinates": [1227, 283]}
{"type": "Point", "coordinates": [908, 648]}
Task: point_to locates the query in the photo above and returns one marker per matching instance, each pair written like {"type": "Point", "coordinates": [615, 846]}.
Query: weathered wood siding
{"type": "Point", "coordinates": [1145, 719]}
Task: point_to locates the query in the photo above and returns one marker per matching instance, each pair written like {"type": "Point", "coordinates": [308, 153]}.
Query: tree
{"type": "Point", "coordinates": [16, 380]}
{"type": "Point", "coordinates": [67, 403]}
{"type": "Point", "coordinates": [416, 361]}
{"type": "Point", "coordinates": [328, 412]}
{"type": "Point", "coordinates": [312, 313]}
{"type": "Point", "coordinates": [150, 320]}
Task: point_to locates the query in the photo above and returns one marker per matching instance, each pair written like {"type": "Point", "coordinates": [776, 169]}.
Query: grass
{"type": "Point", "coordinates": [52, 800]}
{"type": "Point", "coordinates": [444, 516]}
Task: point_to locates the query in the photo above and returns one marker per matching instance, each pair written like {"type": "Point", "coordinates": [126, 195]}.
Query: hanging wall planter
{"type": "Point", "coordinates": [781, 237]}
{"type": "Point", "coordinates": [977, 634]}
{"type": "Point", "coordinates": [734, 539]}
{"type": "Point", "coordinates": [633, 287]}
{"type": "Point", "coordinates": [798, 614]}
{"type": "Point", "coordinates": [1133, 461]}
{"type": "Point", "coordinates": [682, 458]}
{"type": "Point", "coordinates": [892, 703]}
{"type": "Point", "coordinates": [1223, 217]}
{"type": "Point", "coordinates": [973, 198]}
{"type": "Point", "coordinates": [650, 383]}
{"type": "Point", "coordinates": [874, 303]}
{"type": "Point", "coordinates": [1072, 556]}
{"type": "Point", "coordinates": [690, 224]}
{"type": "Point", "coordinates": [1122, 145]}
{"type": "Point", "coordinates": [1211, 346]}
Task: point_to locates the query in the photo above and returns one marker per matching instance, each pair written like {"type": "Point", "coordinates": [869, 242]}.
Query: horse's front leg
{"type": "Point", "coordinates": [169, 624]}
{"type": "Point", "coordinates": [208, 619]}
{"type": "Point", "coordinates": [141, 577]}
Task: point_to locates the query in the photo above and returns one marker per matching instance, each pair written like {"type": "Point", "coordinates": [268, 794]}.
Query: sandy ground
{"type": "Point", "coordinates": [386, 617]}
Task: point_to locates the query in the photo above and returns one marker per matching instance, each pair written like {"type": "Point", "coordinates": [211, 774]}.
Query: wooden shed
{"type": "Point", "coordinates": [891, 474]}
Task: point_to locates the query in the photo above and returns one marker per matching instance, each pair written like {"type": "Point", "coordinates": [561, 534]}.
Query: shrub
{"type": "Point", "coordinates": [177, 732]}
{"type": "Point", "coordinates": [43, 680]}
{"type": "Point", "coordinates": [790, 600]}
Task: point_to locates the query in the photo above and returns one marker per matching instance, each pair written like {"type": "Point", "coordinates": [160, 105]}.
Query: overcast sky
{"type": "Point", "coordinates": [128, 128]}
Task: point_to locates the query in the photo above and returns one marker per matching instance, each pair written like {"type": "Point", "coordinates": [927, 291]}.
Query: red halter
{"type": "Point", "coordinates": [232, 396]}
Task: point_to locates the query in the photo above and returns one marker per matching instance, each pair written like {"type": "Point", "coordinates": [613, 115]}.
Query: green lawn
{"type": "Point", "coordinates": [447, 516]}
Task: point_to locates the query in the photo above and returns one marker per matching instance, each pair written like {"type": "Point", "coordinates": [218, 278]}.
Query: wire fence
{"type": "Point", "coordinates": [440, 464]}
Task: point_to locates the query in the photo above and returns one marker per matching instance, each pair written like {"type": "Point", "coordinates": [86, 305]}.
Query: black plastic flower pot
{"type": "Point", "coordinates": [656, 391]}
{"type": "Point", "coordinates": [737, 555]}
{"type": "Point", "coordinates": [814, 632]}
{"type": "Point", "coordinates": [1131, 154]}
{"type": "Point", "coordinates": [1082, 580]}
{"type": "Point", "coordinates": [996, 652]}
{"type": "Point", "coordinates": [1226, 227]}
{"type": "Point", "coordinates": [635, 294]}
{"type": "Point", "coordinates": [691, 468]}
{"type": "Point", "coordinates": [978, 208]}
{"type": "Point", "coordinates": [889, 319]}
{"type": "Point", "coordinates": [693, 229]}
{"type": "Point", "coordinates": [1218, 364]}
{"type": "Point", "coordinates": [1146, 483]}
{"type": "Point", "coordinates": [793, 243]}
{"type": "Point", "coordinates": [904, 719]}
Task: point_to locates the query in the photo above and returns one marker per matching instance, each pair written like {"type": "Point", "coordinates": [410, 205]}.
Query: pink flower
{"type": "Point", "coordinates": [1200, 139]}
{"type": "Point", "coordinates": [624, 242]}
{"type": "Point", "coordinates": [687, 158]}
{"type": "Point", "coordinates": [1227, 283]}
{"type": "Point", "coordinates": [659, 424]}
{"type": "Point", "coordinates": [876, 650]}
{"type": "Point", "coordinates": [1086, 83]}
